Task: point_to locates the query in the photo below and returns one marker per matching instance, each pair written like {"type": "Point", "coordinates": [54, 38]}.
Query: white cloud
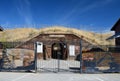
{"type": "Point", "coordinates": [24, 10]}
{"type": "Point", "coordinates": [78, 9]}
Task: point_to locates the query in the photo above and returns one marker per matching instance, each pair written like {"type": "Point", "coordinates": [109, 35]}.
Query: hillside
{"type": "Point", "coordinates": [24, 34]}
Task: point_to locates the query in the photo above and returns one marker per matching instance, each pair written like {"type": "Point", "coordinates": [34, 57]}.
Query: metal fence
{"type": "Point", "coordinates": [101, 59]}
{"type": "Point", "coordinates": [59, 57]}
{"type": "Point", "coordinates": [15, 58]}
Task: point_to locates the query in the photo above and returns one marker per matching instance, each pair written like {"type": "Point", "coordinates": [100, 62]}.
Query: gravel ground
{"type": "Point", "coordinates": [14, 76]}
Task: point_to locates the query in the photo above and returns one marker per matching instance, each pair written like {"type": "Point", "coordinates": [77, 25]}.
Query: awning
{"type": "Point", "coordinates": [114, 36]}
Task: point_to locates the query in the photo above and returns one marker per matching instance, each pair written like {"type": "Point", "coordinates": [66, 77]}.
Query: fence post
{"type": "Point", "coordinates": [81, 56]}
{"type": "Point", "coordinates": [58, 57]}
{"type": "Point", "coordinates": [35, 59]}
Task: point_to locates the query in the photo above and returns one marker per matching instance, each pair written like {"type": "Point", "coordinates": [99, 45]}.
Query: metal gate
{"type": "Point", "coordinates": [58, 65]}
{"type": "Point", "coordinates": [59, 57]}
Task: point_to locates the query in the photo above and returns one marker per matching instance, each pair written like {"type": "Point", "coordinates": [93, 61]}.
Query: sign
{"type": "Point", "coordinates": [56, 35]}
{"type": "Point", "coordinates": [39, 47]}
{"type": "Point", "coordinates": [72, 50]}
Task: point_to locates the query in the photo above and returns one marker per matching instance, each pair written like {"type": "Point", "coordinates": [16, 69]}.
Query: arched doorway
{"type": "Point", "coordinates": [57, 51]}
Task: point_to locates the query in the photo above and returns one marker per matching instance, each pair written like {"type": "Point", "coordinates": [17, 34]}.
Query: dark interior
{"type": "Point", "coordinates": [57, 54]}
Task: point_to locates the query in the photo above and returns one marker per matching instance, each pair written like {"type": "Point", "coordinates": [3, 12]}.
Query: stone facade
{"type": "Point", "coordinates": [62, 41]}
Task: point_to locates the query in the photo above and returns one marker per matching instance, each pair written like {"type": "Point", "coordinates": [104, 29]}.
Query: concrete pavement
{"type": "Point", "coordinates": [14, 76]}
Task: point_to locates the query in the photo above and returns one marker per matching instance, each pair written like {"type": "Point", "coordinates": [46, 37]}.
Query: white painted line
{"type": "Point", "coordinates": [99, 79]}
{"type": "Point", "coordinates": [16, 79]}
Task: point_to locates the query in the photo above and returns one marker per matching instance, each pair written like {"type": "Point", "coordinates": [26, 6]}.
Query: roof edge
{"type": "Point", "coordinates": [113, 28]}
{"type": "Point", "coordinates": [1, 28]}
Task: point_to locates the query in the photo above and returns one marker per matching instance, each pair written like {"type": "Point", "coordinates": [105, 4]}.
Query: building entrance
{"type": "Point", "coordinates": [57, 51]}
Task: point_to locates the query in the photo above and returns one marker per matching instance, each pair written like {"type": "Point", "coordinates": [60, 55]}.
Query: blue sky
{"type": "Point", "coordinates": [93, 15]}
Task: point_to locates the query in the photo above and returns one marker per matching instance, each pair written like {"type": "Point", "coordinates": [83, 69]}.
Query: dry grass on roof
{"type": "Point", "coordinates": [25, 34]}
